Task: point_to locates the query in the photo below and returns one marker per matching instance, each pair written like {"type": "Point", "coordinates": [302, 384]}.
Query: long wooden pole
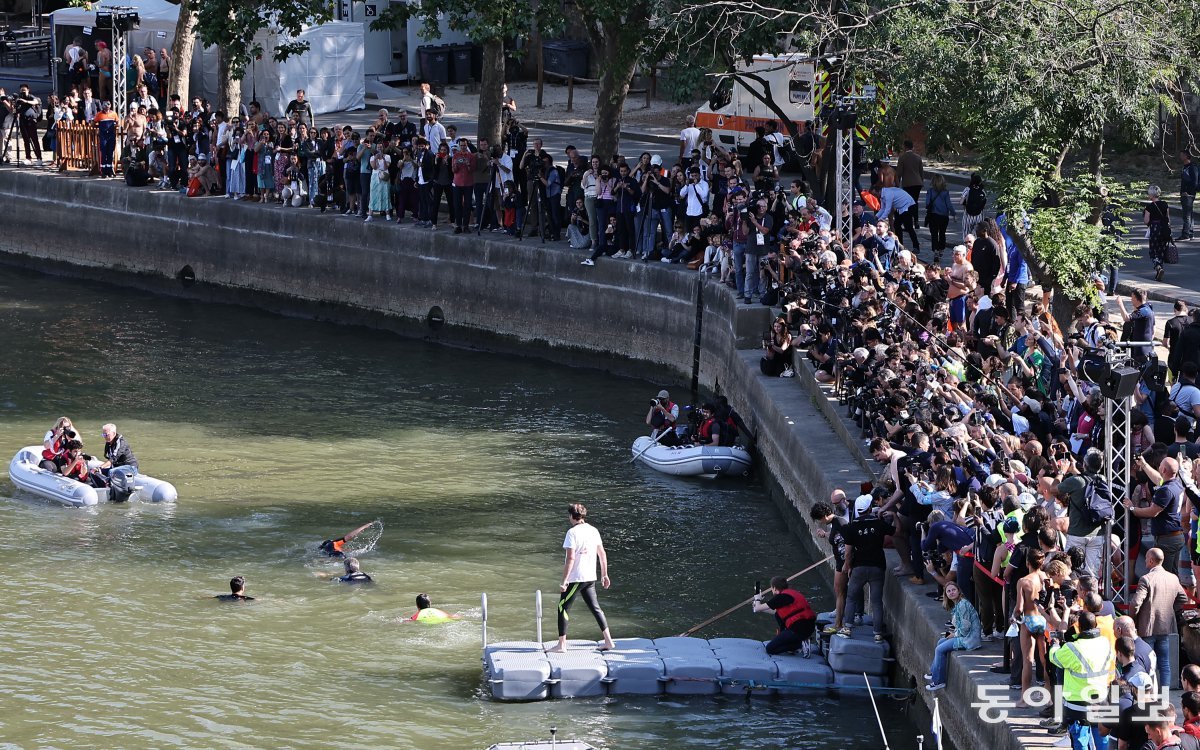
{"type": "Point", "coordinates": [741, 604]}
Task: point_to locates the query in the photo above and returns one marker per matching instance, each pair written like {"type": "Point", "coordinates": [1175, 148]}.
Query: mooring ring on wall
{"type": "Point", "coordinates": [436, 318]}
{"type": "Point", "coordinates": [186, 276]}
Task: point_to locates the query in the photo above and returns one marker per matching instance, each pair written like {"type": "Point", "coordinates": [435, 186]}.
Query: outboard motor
{"type": "Point", "coordinates": [120, 484]}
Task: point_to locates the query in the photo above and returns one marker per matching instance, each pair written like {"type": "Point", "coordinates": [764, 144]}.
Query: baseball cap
{"type": "Point", "coordinates": [862, 504]}
{"type": "Point", "coordinates": [656, 161]}
{"type": "Point", "coordinates": [663, 394]}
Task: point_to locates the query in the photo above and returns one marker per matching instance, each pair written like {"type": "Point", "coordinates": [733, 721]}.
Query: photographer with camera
{"type": "Point", "coordinates": [28, 111]}
{"type": "Point", "coordinates": [795, 619]}
{"type": "Point", "coordinates": [1089, 506]}
{"type": "Point", "coordinates": [943, 537]}
{"type": "Point", "coordinates": [662, 419]}
{"type": "Point", "coordinates": [758, 225]}
{"type": "Point", "coordinates": [532, 167]}
{"type": "Point", "coordinates": [54, 444]}
{"type": "Point", "coordinates": [654, 217]}
{"type": "Point", "coordinates": [824, 353]}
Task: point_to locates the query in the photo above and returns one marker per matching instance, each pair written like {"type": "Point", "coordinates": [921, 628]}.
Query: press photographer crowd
{"type": "Point", "coordinates": [988, 419]}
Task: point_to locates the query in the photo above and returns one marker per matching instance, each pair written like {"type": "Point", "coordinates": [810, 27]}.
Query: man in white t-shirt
{"type": "Point", "coordinates": [688, 138]}
{"type": "Point", "coordinates": [583, 550]}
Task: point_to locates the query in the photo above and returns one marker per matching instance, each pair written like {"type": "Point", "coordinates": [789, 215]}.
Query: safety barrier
{"type": "Point", "coordinates": [78, 147]}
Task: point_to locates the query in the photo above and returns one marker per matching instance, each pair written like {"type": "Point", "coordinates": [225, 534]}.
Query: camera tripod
{"type": "Point", "coordinates": [488, 197]}
{"type": "Point", "coordinates": [13, 118]}
{"type": "Point", "coordinates": [534, 200]}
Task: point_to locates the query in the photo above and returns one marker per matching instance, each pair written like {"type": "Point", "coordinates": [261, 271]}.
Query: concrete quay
{"type": "Point", "coordinates": [492, 292]}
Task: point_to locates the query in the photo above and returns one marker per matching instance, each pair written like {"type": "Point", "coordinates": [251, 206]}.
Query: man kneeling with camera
{"type": "Point", "coordinates": [794, 617]}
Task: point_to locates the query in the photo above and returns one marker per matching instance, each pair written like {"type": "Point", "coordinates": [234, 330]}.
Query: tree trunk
{"type": "Point", "coordinates": [533, 49]}
{"type": "Point", "coordinates": [181, 53]}
{"type": "Point", "coordinates": [621, 52]}
{"type": "Point", "coordinates": [229, 97]}
{"type": "Point", "coordinates": [491, 90]}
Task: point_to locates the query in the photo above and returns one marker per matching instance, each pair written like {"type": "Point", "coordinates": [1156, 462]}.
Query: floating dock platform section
{"type": "Point", "coordinates": [528, 671]}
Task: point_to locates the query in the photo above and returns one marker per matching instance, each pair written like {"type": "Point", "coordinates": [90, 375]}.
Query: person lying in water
{"type": "Point", "coordinates": [237, 585]}
{"type": "Point", "coordinates": [335, 547]}
{"type": "Point", "coordinates": [429, 614]}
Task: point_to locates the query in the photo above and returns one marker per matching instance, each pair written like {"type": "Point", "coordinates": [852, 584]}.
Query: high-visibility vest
{"type": "Point", "coordinates": [1087, 670]}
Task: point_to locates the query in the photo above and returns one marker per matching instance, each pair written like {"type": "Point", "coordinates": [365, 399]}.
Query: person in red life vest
{"type": "Point", "coordinates": [75, 466]}
{"type": "Point", "coordinates": [336, 547]}
{"type": "Point", "coordinates": [711, 428]}
{"type": "Point", "coordinates": [1190, 703]}
{"type": "Point", "coordinates": [662, 417]}
{"type": "Point", "coordinates": [428, 614]}
{"type": "Point", "coordinates": [54, 444]}
{"type": "Point", "coordinates": [795, 618]}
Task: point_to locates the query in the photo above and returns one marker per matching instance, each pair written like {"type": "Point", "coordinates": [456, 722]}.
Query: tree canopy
{"type": "Point", "coordinates": [1024, 85]}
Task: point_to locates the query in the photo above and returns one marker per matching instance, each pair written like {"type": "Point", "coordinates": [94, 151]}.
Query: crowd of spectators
{"type": "Point", "coordinates": [981, 408]}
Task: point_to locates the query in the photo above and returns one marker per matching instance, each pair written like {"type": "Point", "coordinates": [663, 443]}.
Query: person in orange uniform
{"type": "Point", "coordinates": [795, 618]}
{"type": "Point", "coordinates": [106, 125]}
{"type": "Point", "coordinates": [336, 547]}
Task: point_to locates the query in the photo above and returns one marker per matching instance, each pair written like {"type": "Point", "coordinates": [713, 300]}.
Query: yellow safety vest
{"type": "Point", "coordinates": [1087, 670]}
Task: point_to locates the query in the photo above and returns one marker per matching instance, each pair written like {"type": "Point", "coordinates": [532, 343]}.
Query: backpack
{"type": "Point", "coordinates": [975, 202]}
{"type": "Point", "coordinates": [1190, 178]}
{"type": "Point", "coordinates": [437, 105]}
{"type": "Point", "coordinates": [1097, 502]}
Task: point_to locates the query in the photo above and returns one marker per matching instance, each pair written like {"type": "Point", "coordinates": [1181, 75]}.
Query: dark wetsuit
{"type": "Point", "coordinates": [333, 547]}
{"type": "Point", "coordinates": [234, 598]}
{"type": "Point", "coordinates": [356, 578]}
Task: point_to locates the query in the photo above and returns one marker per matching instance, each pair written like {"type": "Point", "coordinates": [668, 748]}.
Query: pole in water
{"type": "Point", "coordinates": [537, 607]}
{"type": "Point", "coordinates": [484, 619]}
{"type": "Point", "coordinates": [553, 736]}
{"type": "Point", "coordinates": [875, 706]}
{"type": "Point", "coordinates": [740, 604]}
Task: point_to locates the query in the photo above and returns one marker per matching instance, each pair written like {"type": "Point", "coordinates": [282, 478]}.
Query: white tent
{"type": "Point", "coordinates": [331, 71]}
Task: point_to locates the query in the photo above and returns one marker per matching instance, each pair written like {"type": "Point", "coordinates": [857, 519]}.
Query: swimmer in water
{"type": "Point", "coordinates": [354, 572]}
{"type": "Point", "coordinates": [430, 615]}
{"type": "Point", "coordinates": [335, 547]}
{"type": "Point", "coordinates": [237, 585]}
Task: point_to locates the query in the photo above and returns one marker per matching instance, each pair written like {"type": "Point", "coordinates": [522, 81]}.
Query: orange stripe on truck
{"type": "Point", "coordinates": [716, 121]}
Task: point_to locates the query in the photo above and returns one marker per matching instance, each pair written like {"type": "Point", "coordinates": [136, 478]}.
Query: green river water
{"type": "Point", "coordinates": [279, 433]}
